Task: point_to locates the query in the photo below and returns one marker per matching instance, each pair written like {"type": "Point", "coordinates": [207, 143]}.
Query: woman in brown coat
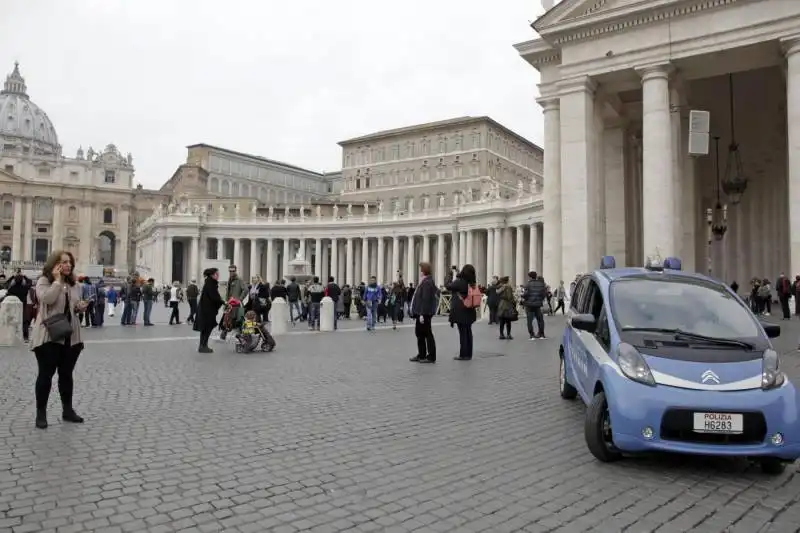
{"type": "Point", "coordinates": [57, 292]}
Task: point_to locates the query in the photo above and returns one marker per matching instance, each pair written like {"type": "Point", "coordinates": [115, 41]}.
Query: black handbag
{"type": "Point", "coordinates": [59, 326]}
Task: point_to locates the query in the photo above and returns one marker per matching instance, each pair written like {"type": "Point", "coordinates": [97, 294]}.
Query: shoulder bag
{"type": "Point", "coordinates": [59, 326]}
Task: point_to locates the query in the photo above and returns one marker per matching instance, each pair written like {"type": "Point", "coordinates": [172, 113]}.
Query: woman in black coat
{"type": "Point", "coordinates": [208, 307]}
{"type": "Point", "coordinates": [462, 316]}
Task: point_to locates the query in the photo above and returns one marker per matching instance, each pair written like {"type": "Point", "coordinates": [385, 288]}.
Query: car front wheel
{"type": "Point", "coordinates": [772, 466]}
{"type": "Point", "coordinates": [597, 430]}
{"type": "Point", "coordinates": [568, 392]}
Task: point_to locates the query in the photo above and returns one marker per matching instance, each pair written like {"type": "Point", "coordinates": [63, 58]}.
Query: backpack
{"type": "Point", "coordinates": [473, 298]}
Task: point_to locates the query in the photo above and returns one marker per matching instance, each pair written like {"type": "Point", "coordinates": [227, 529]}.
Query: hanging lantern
{"type": "Point", "coordinates": [735, 183]}
{"type": "Point", "coordinates": [720, 223]}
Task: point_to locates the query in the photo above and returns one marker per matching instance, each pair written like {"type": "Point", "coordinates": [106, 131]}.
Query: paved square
{"type": "Point", "coordinates": [339, 432]}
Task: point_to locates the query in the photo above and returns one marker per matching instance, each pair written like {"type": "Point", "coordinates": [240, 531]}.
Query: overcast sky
{"type": "Point", "coordinates": [285, 80]}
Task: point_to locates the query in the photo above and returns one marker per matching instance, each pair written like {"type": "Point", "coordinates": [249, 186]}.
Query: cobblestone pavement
{"type": "Point", "coordinates": [339, 432]}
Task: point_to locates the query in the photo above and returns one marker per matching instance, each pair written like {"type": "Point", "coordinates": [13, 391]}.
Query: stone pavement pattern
{"type": "Point", "coordinates": [339, 432]}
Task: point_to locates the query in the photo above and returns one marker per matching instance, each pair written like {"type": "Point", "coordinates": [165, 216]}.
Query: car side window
{"type": "Point", "coordinates": [602, 333]}
{"type": "Point", "coordinates": [578, 298]}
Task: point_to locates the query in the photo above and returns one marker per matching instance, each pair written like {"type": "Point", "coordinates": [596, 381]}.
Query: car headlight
{"type": "Point", "coordinates": [771, 375]}
{"type": "Point", "coordinates": [633, 365]}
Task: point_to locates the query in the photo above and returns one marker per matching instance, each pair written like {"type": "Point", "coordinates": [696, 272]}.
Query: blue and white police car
{"type": "Point", "coordinates": [672, 361]}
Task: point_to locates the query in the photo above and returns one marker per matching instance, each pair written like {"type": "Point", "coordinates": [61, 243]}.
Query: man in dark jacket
{"type": "Point", "coordinates": [334, 293]}
{"type": "Point", "coordinates": [423, 306]}
{"type": "Point", "coordinates": [293, 294]}
{"type": "Point", "coordinates": [533, 298]}
{"type": "Point", "coordinates": [192, 293]}
{"type": "Point", "coordinates": [278, 290]}
{"type": "Point", "coordinates": [492, 302]}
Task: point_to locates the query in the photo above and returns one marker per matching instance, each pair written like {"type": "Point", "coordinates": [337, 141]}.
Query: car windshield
{"type": "Point", "coordinates": [691, 305]}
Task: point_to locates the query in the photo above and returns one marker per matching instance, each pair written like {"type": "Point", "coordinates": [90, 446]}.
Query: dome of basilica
{"type": "Point", "coordinates": [22, 121]}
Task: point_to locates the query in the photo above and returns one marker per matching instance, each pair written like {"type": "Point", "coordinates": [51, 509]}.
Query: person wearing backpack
{"type": "Point", "coordinates": [465, 301]}
{"type": "Point", "coordinates": [423, 306]}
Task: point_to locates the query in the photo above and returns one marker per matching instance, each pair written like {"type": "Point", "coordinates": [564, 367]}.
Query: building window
{"type": "Point", "coordinates": [10, 169]}
{"type": "Point", "coordinates": [73, 176]}
{"type": "Point", "coordinates": [108, 216]}
{"type": "Point", "coordinates": [44, 172]}
{"type": "Point", "coordinates": [72, 213]}
{"type": "Point", "coordinates": [358, 183]}
{"type": "Point", "coordinates": [111, 176]}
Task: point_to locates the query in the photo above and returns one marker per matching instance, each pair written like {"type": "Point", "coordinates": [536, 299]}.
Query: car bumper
{"type": "Point", "coordinates": [778, 407]}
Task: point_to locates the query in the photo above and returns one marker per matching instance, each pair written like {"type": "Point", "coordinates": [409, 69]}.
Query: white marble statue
{"type": "Point", "coordinates": [441, 201]}
{"type": "Point", "coordinates": [380, 206]}
{"type": "Point", "coordinates": [301, 253]}
{"type": "Point", "coordinates": [159, 210]}
{"type": "Point", "coordinates": [366, 209]}
{"type": "Point", "coordinates": [410, 205]}
{"type": "Point", "coordinates": [349, 210]}
{"type": "Point", "coordinates": [469, 195]}
{"type": "Point", "coordinates": [221, 211]}
{"type": "Point", "coordinates": [426, 202]}
{"type": "Point", "coordinates": [254, 209]}
{"type": "Point", "coordinates": [520, 188]}
{"type": "Point", "coordinates": [271, 212]}
{"type": "Point", "coordinates": [335, 211]}
{"type": "Point", "coordinates": [319, 212]}
{"type": "Point", "coordinates": [171, 208]}
{"type": "Point", "coordinates": [286, 212]}
{"type": "Point", "coordinates": [237, 210]}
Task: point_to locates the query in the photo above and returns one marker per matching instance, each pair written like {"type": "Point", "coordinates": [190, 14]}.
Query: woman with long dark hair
{"type": "Point", "coordinates": [210, 302]}
{"type": "Point", "coordinates": [462, 315]}
{"type": "Point", "coordinates": [56, 335]}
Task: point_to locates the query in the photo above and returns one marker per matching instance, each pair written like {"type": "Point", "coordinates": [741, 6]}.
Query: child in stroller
{"type": "Point", "coordinates": [232, 318]}
{"type": "Point", "coordinates": [253, 335]}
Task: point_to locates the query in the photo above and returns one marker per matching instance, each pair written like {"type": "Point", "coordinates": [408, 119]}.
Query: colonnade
{"type": "Point", "coordinates": [494, 251]}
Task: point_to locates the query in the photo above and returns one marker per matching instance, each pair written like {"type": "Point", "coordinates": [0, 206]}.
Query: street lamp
{"type": "Point", "coordinates": [720, 223]}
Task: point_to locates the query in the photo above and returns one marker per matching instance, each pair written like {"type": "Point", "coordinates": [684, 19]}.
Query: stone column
{"type": "Point", "coordinates": [255, 258]}
{"type": "Point", "coordinates": [462, 249]}
{"type": "Point", "coordinates": [237, 254]}
{"type": "Point", "coordinates": [166, 273]}
{"type": "Point", "coordinates": [411, 266]}
{"type": "Point", "coordinates": [271, 274]}
{"type": "Point", "coordinates": [497, 253]}
{"type": "Point", "coordinates": [335, 260]}
{"type": "Point", "coordinates": [519, 257]}
{"type": "Point", "coordinates": [508, 253]}
{"type": "Point", "coordinates": [318, 259]}
{"type": "Point", "coordinates": [87, 240]}
{"type": "Point", "coordinates": [194, 258]}
{"type": "Point", "coordinates": [285, 258]}
{"type": "Point", "coordinates": [395, 257]}
{"type": "Point", "coordinates": [17, 232]}
{"type": "Point", "coordinates": [533, 249]}
{"type": "Point", "coordinates": [792, 49]}
{"type": "Point", "coordinates": [454, 257]}
{"type": "Point", "coordinates": [121, 252]}
{"type": "Point", "coordinates": [27, 243]}
{"type": "Point", "coordinates": [349, 262]}
{"type": "Point", "coordinates": [441, 240]}
{"type": "Point", "coordinates": [658, 194]}
{"type": "Point", "coordinates": [381, 261]}
{"type": "Point", "coordinates": [578, 177]}
{"type": "Point", "coordinates": [326, 272]}
{"type": "Point", "coordinates": [614, 173]}
{"type": "Point", "coordinates": [551, 190]}
{"type": "Point", "coordinates": [489, 254]}
{"type": "Point", "coordinates": [365, 273]}
{"type": "Point", "coordinates": [469, 258]}
{"type": "Point", "coordinates": [425, 254]}
{"type": "Point", "coordinates": [58, 228]}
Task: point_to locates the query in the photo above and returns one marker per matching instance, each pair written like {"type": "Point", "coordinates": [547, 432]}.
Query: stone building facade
{"type": "Point", "coordinates": [628, 174]}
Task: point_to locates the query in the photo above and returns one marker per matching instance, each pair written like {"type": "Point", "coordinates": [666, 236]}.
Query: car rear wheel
{"type": "Point", "coordinates": [568, 392]}
{"type": "Point", "coordinates": [772, 466]}
{"type": "Point", "coordinates": [597, 430]}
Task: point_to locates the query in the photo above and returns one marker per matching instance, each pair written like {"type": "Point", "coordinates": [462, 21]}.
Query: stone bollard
{"type": "Point", "coordinates": [280, 316]}
{"type": "Point", "coordinates": [483, 310]}
{"type": "Point", "coordinates": [326, 313]}
{"type": "Point", "coordinates": [11, 321]}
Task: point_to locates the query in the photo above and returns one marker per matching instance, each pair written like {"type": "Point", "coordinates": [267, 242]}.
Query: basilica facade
{"type": "Point", "coordinates": [672, 128]}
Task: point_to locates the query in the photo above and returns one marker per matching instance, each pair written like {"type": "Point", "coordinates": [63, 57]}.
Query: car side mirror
{"type": "Point", "coordinates": [772, 330]}
{"type": "Point", "coordinates": [584, 322]}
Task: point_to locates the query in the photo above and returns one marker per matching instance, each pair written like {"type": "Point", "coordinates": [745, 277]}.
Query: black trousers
{"type": "Point", "coordinates": [493, 314]}
{"type": "Point", "coordinates": [53, 357]}
{"type": "Point", "coordinates": [192, 310]}
{"type": "Point", "coordinates": [531, 314]}
{"type": "Point", "coordinates": [560, 306]}
{"type": "Point", "coordinates": [426, 343]}
{"type": "Point", "coordinates": [505, 324]}
{"type": "Point", "coordinates": [174, 316]}
{"type": "Point", "coordinates": [89, 314]}
{"type": "Point", "coordinates": [784, 298]}
{"type": "Point", "coordinates": [205, 334]}
{"type": "Point", "coordinates": [465, 341]}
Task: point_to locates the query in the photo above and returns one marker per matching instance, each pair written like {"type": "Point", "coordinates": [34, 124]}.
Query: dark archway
{"type": "Point", "coordinates": [106, 248]}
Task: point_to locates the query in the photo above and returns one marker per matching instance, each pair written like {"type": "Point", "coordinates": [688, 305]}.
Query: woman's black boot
{"type": "Point", "coordinates": [41, 418]}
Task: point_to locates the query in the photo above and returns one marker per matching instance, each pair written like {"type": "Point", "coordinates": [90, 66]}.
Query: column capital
{"type": "Point", "coordinates": [790, 45]}
{"type": "Point", "coordinates": [549, 103]}
{"type": "Point", "coordinates": [581, 84]}
{"type": "Point", "coordinates": [655, 71]}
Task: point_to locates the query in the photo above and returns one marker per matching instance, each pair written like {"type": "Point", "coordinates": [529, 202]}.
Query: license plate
{"type": "Point", "coordinates": [719, 423]}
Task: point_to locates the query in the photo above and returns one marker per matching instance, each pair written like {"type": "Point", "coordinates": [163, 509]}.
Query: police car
{"type": "Point", "coordinates": [672, 361]}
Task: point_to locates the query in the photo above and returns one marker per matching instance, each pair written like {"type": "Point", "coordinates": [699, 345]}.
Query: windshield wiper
{"type": "Point", "coordinates": [680, 334]}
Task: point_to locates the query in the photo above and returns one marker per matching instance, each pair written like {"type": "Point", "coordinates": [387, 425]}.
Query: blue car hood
{"type": "Point", "coordinates": [704, 373]}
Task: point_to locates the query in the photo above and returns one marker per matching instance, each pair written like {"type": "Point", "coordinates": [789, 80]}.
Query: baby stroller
{"type": "Point", "coordinates": [259, 338]}
{"type": "Point", "coordinates": [232, 318]}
